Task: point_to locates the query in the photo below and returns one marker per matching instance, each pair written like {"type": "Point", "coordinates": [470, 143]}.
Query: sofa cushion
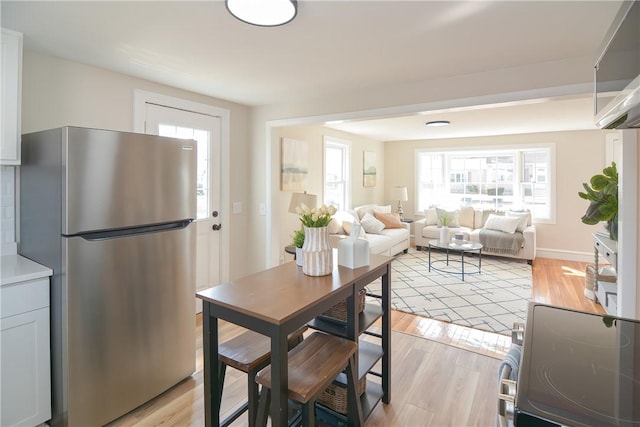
{"type": "Point", "coordinates": [335, 226]}
{"type": "Point", "coordinates": [466, 216]}
{"type": "Point", "coordinates": [502, 223]}
{"type": "Point", "coordinates": [451, 215]}
{"type": "Point", "coordinates": [362, 210]}
{"type": "Point", "coordinates": [347, 226]}
{"type": "Point", "coordinates": [371, 225]}
{"type": "Point", "coordinates": [524, 216]}
{"type": "Point", "coordinates": [390, 220]}
{"type": "Point", "coordinates": [430, 216]}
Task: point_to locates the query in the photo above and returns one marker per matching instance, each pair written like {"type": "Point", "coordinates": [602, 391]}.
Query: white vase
{"type": "Point", "coordinates": [317, 255]}
{"type": "Point", "coordinates": [444, 233]}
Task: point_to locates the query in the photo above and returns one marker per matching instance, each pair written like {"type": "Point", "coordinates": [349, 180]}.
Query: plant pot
{"type": "Point", "coordinates": [317, 254]}
{"type": "Point", "coordinates": [444, 233]}
{"type": "Point", "coordinates": [299, 257]}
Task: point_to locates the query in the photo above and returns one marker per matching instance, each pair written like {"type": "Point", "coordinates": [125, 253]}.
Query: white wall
{"type": "Point", "coordinates": [57, 93]}
{"type": "Point", "coordinates": [579, 156]}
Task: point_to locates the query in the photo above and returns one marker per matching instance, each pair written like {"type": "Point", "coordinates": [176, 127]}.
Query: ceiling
{"type": "Point", "coordinates": [332, 47]}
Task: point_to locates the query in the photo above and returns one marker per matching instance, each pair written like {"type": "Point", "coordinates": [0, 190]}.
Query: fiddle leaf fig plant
{"type": "Point", "coordinates": [602, 194]}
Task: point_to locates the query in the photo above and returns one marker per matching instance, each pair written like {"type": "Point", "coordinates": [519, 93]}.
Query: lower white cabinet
{"type": "Point", "coordinates": [25, 397]}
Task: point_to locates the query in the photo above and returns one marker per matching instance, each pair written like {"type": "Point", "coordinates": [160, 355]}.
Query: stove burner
{"type": "Point", "coordinates": [581, 391]}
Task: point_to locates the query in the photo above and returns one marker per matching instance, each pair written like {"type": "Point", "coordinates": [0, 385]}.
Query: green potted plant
{"type": "Point", "coordinates": [298, 241]}
{"type": "Point", "coordinates": [603, 200]}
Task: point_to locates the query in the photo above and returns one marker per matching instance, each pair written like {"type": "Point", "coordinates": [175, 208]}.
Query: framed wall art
{"type": "Point", "coordinates": [369, 169]}
{"type": "Point", "coordinates": [294, 165]}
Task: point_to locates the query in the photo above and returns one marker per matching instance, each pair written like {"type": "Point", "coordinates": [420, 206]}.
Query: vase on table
{"type": "Point", "coordinates": [317, 255]}
{"type": "Point", "coordinates": [444, 233]}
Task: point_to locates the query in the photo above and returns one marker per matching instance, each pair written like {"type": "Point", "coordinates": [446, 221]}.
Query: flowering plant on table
{"type": "Point", "coordinates": [316, 217]}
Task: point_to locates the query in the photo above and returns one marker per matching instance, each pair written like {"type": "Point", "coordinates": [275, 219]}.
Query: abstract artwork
{"type": "Point", "coordinates": [369, 169]}
{"type": "Point", "coordinates": [294, 165]}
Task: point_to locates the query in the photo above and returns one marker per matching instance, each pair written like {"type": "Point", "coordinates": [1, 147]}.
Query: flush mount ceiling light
{"type": "Point", "coordinates": [263, 13]}
{"type": "Point", "coordinates": [436, 123]}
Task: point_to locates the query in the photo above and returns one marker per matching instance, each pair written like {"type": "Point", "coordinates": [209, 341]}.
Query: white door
{"type": "Point", "coordinates": [205, 129]}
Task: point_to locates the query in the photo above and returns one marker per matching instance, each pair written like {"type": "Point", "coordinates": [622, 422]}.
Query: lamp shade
{"type": "Point", "coordinates": [310, 200]}
{"type": "Point", "coordinates": [399, 193]}
{"type": "Point", "coordinates": [263, 13]}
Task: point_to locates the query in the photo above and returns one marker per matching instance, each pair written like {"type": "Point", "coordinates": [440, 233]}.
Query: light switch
{"type": "Point", "coordinates": [237, 207]}
{"type": "Point", "coordinates": [262, 208]}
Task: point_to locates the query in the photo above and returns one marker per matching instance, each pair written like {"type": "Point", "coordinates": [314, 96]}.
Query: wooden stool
{"type": "Point", "coordinates": [248, 352]}
{"type": "Point", "coordinates": [312, 366]}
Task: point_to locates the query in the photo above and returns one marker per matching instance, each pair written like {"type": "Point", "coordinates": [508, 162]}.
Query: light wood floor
{"type": "Point", "coordinates": [449, 379]}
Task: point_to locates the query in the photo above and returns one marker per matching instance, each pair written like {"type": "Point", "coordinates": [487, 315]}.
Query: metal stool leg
{"type": "Point", "coordinates": [309, 413]}
{"type": "Point", "coordinates": [263, 407]}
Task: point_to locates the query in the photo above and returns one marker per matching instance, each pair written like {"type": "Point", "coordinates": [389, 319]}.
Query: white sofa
{"type": "Point", "coordinates": [385, 241]}
{"type": "Point", "coordinates": [470, 222]}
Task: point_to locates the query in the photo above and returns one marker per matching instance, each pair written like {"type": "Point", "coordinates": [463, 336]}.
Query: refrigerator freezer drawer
{"type": "Point", "coordinates": [130, 321]}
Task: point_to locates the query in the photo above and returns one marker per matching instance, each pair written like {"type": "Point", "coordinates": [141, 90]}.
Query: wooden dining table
{"type": "Point", "coordinates": [276, 302]}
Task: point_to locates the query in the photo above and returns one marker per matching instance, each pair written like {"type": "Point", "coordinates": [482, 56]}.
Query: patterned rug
{"type": "Point", "coordinates": [490, 301]}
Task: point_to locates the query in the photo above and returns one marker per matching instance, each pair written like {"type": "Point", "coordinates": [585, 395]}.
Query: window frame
{"type": "Point", "coordinates": [345, 146]}
{"type": "Point", "coordinates": [516, 150]}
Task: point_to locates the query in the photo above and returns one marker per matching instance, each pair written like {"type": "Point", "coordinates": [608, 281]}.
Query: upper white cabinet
{"type": "Point", "coordinates": [11, 97]}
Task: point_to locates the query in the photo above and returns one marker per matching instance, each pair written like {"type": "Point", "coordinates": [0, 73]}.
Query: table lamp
{"type": "Point", "coordinates": [310, 200]}
{"type": "Point", "coordinates": [400, 194]}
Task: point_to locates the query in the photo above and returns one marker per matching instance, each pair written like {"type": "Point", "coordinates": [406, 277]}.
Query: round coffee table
{"type": "Point", "coordinates": [462, 247]}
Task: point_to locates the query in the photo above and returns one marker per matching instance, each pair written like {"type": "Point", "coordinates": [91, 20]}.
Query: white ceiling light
{"type": "Point", "coordinates": [436, 123]}
{"type": "Point", "coordinates": [264, 13]}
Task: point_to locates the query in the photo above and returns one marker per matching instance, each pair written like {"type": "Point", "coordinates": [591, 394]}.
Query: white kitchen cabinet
{"type": "Point", "coordinates": [25, 393]}
{"type": "Point", "coordinates": [11, 97]}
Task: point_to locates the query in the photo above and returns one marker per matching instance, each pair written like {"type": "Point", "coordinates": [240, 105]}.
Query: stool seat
{"type": "Point", "coordinates": [313, 365]}
{"type": "Point", "coordinates": [245, 351]}
{"type": "Point", "coordinates": [248, 352]}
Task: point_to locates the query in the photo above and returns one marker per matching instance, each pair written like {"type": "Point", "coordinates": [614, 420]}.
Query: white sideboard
{"type": "Point", "coordinates": [11, 97]}
{"type": "Point", "coordinates": [606, 291]}
{"type": "Point", "coordinates": [25, 395]}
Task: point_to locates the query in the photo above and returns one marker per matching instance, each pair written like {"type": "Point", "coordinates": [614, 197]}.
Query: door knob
{"type": "Point", "coordinates": [216, 227]}
{"type": "Point", "coordinates": [214, 214]}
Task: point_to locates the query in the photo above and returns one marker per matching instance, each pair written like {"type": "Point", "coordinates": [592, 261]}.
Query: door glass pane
{"type": "Point", "coordinates": [202, 138]}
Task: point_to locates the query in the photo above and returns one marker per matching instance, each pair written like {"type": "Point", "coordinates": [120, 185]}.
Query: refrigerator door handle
{"type": "Point", "coordinates": [134, 231]}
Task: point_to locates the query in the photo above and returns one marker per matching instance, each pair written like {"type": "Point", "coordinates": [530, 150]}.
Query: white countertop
{"type": "Point", "coordinates": [16, 268]}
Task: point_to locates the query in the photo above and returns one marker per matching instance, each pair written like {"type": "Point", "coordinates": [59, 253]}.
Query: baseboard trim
{"type": "Point", "coordinates": [565, 255]}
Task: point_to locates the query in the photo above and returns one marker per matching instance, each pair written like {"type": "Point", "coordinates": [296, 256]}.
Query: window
{"type": "Point", "coordinates": [202, 184]}
{"type": "Point", "coordinates": [337, 179]}
{"type": "Point", "coordinates": [490, 178]}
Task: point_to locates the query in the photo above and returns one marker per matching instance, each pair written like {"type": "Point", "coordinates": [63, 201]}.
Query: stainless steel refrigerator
{"type": "Point", "coordinates": [111, 213]}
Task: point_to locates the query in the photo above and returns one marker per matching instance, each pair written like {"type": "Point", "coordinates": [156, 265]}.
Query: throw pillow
{"type": "Point", "coordinates": [363, 210]}
{"type": "Point", "coordinates": [371, 225]}
{"type": "Point", "coordinates": [430, 216]}
{"type": "Point", "coordinates": [522, 216]}
{"type": "Point", "coordinates": [448, 217]}
{"type": "Point", "coordinates": [347, 228]}
{"type": "Point", "coordinates": [390, 220]}
{"type": "Point", "coordinates": [335, 226]}
{"type": "Point", "coordinates": [502, 223]}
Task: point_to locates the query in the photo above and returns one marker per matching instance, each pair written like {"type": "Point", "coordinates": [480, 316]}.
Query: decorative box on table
{"type": "Point", "coordinates": [353, 252]}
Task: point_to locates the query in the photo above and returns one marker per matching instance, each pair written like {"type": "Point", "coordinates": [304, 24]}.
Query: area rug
{"type": "Point", "coordinates": [489, 301]}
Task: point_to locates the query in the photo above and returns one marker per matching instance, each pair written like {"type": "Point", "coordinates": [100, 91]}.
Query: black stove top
{"type": "Point", "coordinates": [579, 369]}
